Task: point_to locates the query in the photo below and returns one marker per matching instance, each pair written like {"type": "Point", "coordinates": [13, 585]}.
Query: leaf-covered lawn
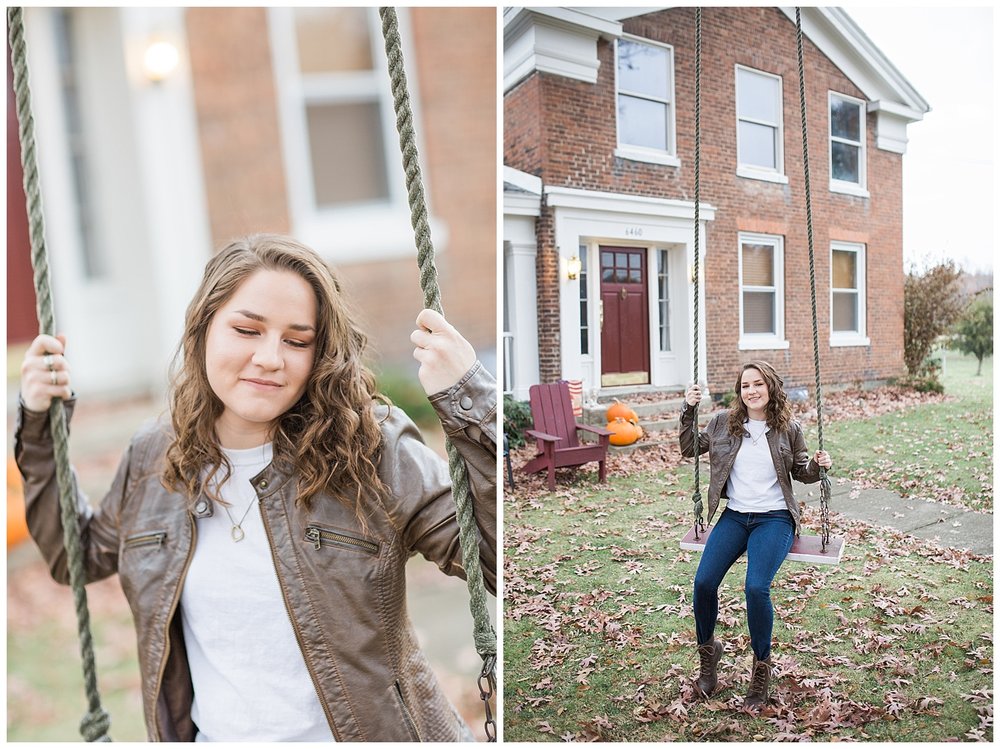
{"type": "Point", "coordinates": [894, 644]}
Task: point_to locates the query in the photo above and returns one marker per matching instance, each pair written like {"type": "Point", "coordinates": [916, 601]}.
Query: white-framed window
{"type": "Point", "coordinates": [644, 89]}
{"type": "Point", "coordinates": [759, 126]}
{"type": "Point", "coordinates": [345, 181]}
{"type": "Point", "coordinates": [584, 304]}
{"type": "Point", "coordinates": [762, 292]}
{"type": "Point", "coordinates": [847, 145]}
{"type": "Point", "coordinates": [663, 299]}
{"type": "Point", "coordinates": [848, 295]}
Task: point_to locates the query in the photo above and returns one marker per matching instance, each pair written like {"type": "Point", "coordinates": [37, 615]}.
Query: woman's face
{"type": "Point", "coordinates": [753, 390]}
{"type": "Point", "coordinates": [259, 354]}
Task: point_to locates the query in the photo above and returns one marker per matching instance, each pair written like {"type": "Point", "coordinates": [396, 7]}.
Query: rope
{"type": "Point", "coordinates": [699, 521]}
{"type": "Point", "coordinates": [824, 480]}
{"type": "Point", "coordinates": [95, 724]}
{"type": "Point", "coordinates": [483, 632]}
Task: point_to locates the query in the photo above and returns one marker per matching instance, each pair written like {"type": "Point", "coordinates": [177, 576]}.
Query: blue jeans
{"type": "Point", "coordinates": [766, 537]}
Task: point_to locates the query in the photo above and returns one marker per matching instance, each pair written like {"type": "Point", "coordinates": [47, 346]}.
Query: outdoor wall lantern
{"type": "Point", "coordinates": [573, 268]}
{"type": "Point", "coordinates": [159, 60]}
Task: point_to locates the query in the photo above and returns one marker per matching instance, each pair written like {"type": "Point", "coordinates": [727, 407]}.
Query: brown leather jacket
{"type": "Point", "coordinates": [343, 585]}
{"type": "Point", "coordinates": [788, 452]}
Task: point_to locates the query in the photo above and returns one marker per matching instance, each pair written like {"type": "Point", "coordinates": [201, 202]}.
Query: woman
{"type": "Point", "coordinates": [755, 449]}
{"type": "Point", "coordinates": [261, 535]}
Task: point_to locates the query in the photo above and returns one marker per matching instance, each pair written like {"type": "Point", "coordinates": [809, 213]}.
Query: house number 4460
{"type": "Point", "coordinates": [633, 231]}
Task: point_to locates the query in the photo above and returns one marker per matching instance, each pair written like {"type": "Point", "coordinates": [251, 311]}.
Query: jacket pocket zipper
{"type": "Point", "coordinates": [406, 712]}
{"type": "Point", "coordinates": [146, 539]}
{"type": "Point", "coordinates": [320, 537]}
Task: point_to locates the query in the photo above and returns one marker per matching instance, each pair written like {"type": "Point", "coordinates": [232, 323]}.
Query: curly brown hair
{"type": "Point", "coordinates": [330, 438]}
{"type": "Point", "coordinates": [778, 412]}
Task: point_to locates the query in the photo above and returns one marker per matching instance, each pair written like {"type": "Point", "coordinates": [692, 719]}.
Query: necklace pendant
{"type": "Point", "coordinates": [237, 534]}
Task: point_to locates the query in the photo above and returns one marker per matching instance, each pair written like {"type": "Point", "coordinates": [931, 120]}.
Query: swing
{"type": "Point", "coordinates": [95, 724]}
{"type": "Point", "coordinates": [820, 549]}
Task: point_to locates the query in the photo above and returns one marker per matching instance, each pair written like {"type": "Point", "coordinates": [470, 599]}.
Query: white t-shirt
{"type": "Point", "coordinates": [753, 483]}
{"type": "Point", "coordinates": [250, 678]}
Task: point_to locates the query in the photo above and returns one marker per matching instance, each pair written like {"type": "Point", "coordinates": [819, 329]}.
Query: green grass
{"type": "Point", "coordinates": [940, 451]}
{"type": "Point", "coordinates": [893, 644]}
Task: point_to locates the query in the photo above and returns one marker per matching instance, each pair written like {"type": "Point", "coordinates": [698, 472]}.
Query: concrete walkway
{"type": "Point", "coordinates": [947, 525]}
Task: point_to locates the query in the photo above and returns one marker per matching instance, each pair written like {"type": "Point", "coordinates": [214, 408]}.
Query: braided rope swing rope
{"type": "Point", "coordinates": [699, 520]}
{"type": "Point", "coordinates": [824, 487]}
{"type": "Point", "coordinates": [95, 724]}
{"type": "Point", "coordinates": [483, 631]}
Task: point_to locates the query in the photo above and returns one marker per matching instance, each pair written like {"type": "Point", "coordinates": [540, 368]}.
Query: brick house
{"type": "Point", "coordinates": [164, 132]}
{"type": "Point", "coordinates": [598, 197]}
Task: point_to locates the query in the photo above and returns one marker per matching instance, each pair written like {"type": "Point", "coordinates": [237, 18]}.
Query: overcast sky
{"type": "Point", "coordinates": [949, 204]}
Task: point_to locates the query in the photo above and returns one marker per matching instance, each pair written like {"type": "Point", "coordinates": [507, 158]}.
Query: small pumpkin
{"type": "Point", "coordinates": [620, 410]}
{"type": "Point", "coordinates": [17, 526]}
{"type": "Point", "coordinates": [622, 432]}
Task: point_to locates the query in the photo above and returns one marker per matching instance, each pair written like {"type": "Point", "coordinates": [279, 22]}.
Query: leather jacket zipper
{"type": "Point", "coordinates": [169, 619]}
{"type": "Point", "coordinates": [319, 536]}
{"type": "Point", "coordinates": [406, 712]}
{"type": "Point", "coordinates": [155, 538]}
{"type": "Point", "coordinates": [295, 626]}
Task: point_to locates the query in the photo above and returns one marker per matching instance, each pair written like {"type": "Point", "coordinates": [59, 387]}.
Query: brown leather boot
{"type": "Point", "coordinates": [708, 679]}
{"type": "Point", "coordinates": [760, 680]}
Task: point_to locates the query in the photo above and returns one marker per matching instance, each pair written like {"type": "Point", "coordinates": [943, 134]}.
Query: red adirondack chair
{"type": "Point", "coordinates": [555, 430]}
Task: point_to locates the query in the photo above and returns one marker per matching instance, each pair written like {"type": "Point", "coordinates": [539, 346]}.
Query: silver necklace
{"type": "Point", "coordinates": [237, 530]}
{"type": "Point", "coordinates": [755, 440]}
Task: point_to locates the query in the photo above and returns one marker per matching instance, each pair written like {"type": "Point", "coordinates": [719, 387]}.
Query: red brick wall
{"type": "Point", "coordinates": [578, 122]}
{"type": "Point", "coordinates": [237, 121]}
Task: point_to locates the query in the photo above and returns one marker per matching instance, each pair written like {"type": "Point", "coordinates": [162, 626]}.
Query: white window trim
{"type": "Point", "coordinates": [762, 341]}
{"type": "Point", "coordinates": [751, 171]}
{"type": "Point", "coordinates": [860, 336]}
{"type": "Point", "coordinates": [859, 189]}
{"type": "Point", "coordinates": [666, 157]}
{"type": "Point", "coordinates": [377, 230]}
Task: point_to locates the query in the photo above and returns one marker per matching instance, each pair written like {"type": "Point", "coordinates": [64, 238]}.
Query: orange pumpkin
{"type": "Point", "coordinates": [17, 526]}
{"type": "Point", "coordinates": [620, 410]}
{"type": "Point", "coordinates": [622, 432]}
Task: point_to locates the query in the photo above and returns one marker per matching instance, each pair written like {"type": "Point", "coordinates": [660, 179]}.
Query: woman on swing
{"type": "Point", "coordinates": [261, 534]}
{"type": "Point", "coordinates": [755, 449]}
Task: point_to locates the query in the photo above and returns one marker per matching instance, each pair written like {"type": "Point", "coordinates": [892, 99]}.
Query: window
{"type": "Point", "coordinates": [345, 180]}
{"type": "Point", "coordinates": [847, 295]}
{"type": "Point", "coordinates": [584, 310]}
{"type": "Point", "coordinates": [759, 125]}
{"type": "Point", "coordinates": [67, 30]}
{"type": "Point", "coordinates": [762, 303]}
{"type": "Point", "coordinates": [645, 93]}
{"type": "Point", "coordinates": [847, 144]}
{"type": "Point", "coordinates": [663, 298]}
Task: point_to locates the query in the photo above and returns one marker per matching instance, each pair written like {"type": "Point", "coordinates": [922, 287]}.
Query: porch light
{"type": "Point", "coordinates": [159, 60]}
{"type": "Point", "coordinates": [573, 268]}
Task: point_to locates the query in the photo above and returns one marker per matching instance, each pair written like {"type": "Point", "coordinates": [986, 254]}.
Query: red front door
{"type": "Point", "coordinates": [625, 330]}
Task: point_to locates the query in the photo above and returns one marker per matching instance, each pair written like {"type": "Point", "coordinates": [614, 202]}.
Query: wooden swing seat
{"type": "Point", "coordinates": [807, 549]}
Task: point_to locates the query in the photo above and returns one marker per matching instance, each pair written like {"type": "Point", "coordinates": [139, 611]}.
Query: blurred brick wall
{"type": "Point", "coordinates": [237, 121]}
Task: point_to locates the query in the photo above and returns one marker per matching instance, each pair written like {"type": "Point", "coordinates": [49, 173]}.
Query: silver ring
{"type": "Point", "coordinates": [48, 362]}
{"type": "Point", "coordinates": [55, 377]}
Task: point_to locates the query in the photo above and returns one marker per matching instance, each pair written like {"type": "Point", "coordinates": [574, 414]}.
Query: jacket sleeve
{"type": "Point", "coordinates": [420, 502]}
{"type": "Point", "coordinates": [804, 468]}
{"type": "Point", "coordinates": [34, 452]}
{"type": "Point", "coordinates": [687, 434]}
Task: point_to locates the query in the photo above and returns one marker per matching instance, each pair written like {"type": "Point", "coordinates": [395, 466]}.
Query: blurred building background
{"type": "Point", "coordinates": [165, 132]}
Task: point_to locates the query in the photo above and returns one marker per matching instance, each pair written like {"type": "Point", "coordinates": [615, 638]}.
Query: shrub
{"type": "Point", "coordinates": [931, 305]}
{"type": "Point", "coordinates": [516, 418]}
{"type": "Point", "coordinates": [404, 390]}
{"type": "Point", "coordinates": [974, 331]}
